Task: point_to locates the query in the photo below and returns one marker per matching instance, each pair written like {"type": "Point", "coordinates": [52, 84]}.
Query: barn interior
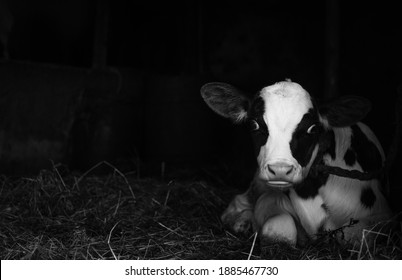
{"type": "Point", "coordinates": [118, 81]}
{"type": "Point", "coordinates": [86, 85]}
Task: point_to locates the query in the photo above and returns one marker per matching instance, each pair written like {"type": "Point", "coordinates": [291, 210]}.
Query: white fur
{"type": "Point", "coordinates": [341, 194]}
{"type": "Point", "coordinates": [285, 105]}
{"type": "Point", "coordinates": [271, 202]}
{"type": "Point", "coordinates": [310, 212]}
{"type": "Point", "coordinates": [277, 215]}
{"type": "Point", "coordinates": [371, 136]}
{"type": "Point", "coordinates": [281, 227]}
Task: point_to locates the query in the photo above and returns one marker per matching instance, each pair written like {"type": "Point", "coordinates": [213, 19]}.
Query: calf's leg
{"type": "Point", "coordinates": [273, 215]}
{"type": "Point", "coordinates": [239, 214]}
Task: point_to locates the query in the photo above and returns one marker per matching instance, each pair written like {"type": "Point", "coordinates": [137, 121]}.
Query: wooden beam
{"type": "Point", "coordinates": [332, 49]}
{"type": "Point", "coordinates": [99, 60]}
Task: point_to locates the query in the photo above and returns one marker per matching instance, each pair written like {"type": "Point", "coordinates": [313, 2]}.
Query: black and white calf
{"type": "Point", "coordinates": [290, 197]}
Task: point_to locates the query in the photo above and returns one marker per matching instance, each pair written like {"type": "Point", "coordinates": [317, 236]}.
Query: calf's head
{"type": "Point", "coordinates": [286, 125]}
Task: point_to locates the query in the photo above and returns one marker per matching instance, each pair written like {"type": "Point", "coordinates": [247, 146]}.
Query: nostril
{"type": "Point", "coordinates": [280, 170]}
{"type": "Point", "coordinates": [271, 170]}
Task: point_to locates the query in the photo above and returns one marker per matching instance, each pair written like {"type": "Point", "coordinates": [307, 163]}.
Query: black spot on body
{"type": "Point", "coordinates": [367, 154]}
{"type": "Point", "coordinates": [256, 113]}
{"type": "Point", "coordinates": [330, 138]}
{"type": "Point", "coordinates": [302, 147]}
{"type": "Point", "coordinates": [367, 197]}
{"type": "Point", "coordinates": [302, 144]}
{"type": "Point", "coordinates": [310, 186]}
{"type": "Point", "coordinates": [350, 157]}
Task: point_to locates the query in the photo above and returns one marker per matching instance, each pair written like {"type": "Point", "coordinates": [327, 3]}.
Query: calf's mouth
{"type": "Point", "coordinates": [279, 184]}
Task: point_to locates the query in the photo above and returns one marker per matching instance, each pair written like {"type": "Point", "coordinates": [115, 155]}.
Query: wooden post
{"type": "Point", "coordinates": [6, 24]}
{"type": "Point", "coordinates": [200, 45]}
{"type": "Point", "coordinates": [332, 49]}
{"type": "Point", "coordinates": [101, 33]}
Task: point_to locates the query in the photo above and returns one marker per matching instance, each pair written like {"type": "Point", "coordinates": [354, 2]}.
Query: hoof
{"type": "Point", "coordinates": [238, 222]}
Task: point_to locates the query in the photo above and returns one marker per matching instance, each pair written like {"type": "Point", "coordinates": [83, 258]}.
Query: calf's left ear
{"type": "Point", "coordinates": [225, 100]}
{"type": "Point", "coordinates": [345, 110]}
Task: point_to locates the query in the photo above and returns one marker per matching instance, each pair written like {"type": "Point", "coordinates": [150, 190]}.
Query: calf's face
{"type": "Point", "coordinates": [285, 124]}
{"type": "Point", "coordinates": [285, 129]}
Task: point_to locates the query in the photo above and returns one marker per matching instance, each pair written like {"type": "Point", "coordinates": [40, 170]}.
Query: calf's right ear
{"type": "Point", "coordinates": [226, 100]}
{"type": "Point", "coordinates": [345, 110]}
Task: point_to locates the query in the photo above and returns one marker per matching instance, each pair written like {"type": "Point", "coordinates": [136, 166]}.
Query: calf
{"type": "Point", "coordinates": [293, 195]}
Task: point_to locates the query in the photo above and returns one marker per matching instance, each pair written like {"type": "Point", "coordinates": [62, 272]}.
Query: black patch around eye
{"type": "Point", "coordinates": [367, 154]}
{"type": "Point", "coordinates": [314, 129]}
{"type": "Point", "coordinates": [256, 113]}
{"type": "Point", "coordinates": [367, 197]}
{"type": "Point", "coordinates": [302, 144]}
{"type": "Point", "coordinates": [253, 125]}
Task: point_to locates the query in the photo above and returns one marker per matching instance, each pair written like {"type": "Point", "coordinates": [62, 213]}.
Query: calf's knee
{"type": "Point", "coordinates": [280, 227]}
{"type": "Point", "coordinates": [239, 215]}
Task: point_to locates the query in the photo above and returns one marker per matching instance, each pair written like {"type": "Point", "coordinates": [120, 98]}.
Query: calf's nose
{"type": "Point", "coordinates": [280, 170]}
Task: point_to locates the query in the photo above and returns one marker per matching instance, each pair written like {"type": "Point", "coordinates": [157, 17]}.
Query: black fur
{"type": "Point", "coordinates": [256, 113]}
{"type": "Point", "coordinates": [225, 100]}
{"type": "Point", "coordinates": [310, 186]}
{"type": "Point", "coordinates": [330, 137]}
{"type": "Point", "coordinates": [367, 154]}
{"type": "Point", "coordinates": [345, 110]}
{"type": "Point", "coordinates": [350, 157]}
{"type": "Point", "coordinates": [302, 144]}
{"type": "Point", "coordinates": [367, 197]}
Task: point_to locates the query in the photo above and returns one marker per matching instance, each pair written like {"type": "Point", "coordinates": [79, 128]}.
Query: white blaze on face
{"type": "Point", "coordinates": [285, 105]}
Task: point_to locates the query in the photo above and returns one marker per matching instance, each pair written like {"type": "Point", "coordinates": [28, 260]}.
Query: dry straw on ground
{"type": "Point", "coordinates": [118, 216]}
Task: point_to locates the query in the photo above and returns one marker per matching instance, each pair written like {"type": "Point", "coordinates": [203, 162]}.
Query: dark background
{"type": "Point", "coordinates": [125, 75]}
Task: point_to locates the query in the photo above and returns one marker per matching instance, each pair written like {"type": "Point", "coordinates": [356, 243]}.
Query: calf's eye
{"type": "Point", "coordinates": [253, 125]}
{"type": "Point", "coordinates": [312, 129]}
